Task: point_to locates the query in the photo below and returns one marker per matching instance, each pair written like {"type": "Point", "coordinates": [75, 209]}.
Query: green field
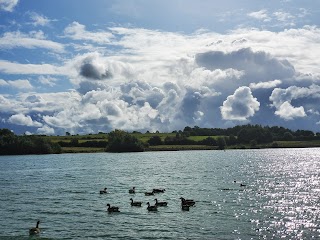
{"type": "Point", "coordinates": [144, 137]}
{"type": "Point", "coordinates": [298, 144]}
{"type": "Point", "coordinates": [82, 150]}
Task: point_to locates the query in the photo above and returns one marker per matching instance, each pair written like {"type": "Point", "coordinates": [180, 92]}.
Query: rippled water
{"type": "Point", "coordinates": [280, 199]}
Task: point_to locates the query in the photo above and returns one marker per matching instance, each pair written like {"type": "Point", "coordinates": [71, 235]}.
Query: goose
{"type": "Point", "coordinates": [188, 202]}
{"type": "Point", "coordinates": [185, 207]}
{"type": "Point", "coordinates": [161, 204]}
{"type": "Point", "coordinates": [158, 190]}
{"type": "Point", "coordinates": [137, 204]}
{"type": "Point", "coordinates": [153, 208]}
{"type": "Point", "coordinates": [242, 185]}
{"type": "Point", "coordinates": [35, 230]}
{"type": "Point", "coordinates": [132, 190]}
{"type": "Point", "coordinates": [149, 193]}
{"type": "Point", "coordinates": [103, 191]}
{"type": "Point", "coordinates": [112, 209]}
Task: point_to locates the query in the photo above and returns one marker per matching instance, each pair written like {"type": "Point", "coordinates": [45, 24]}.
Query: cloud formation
{"type": "Point", "coordinates": [39, 20]}
{"type": "Point", "coordinates": [259, 65]}
{"type": "Point", "coordinates": [77, 31]}
{"type": "Point", "coordinates": [167, 81]}
{"type": "Point", "coordinates": [288, 112]}
{"type": "Point", "coordinates": [8, 5]}
{"type": "Point", "coordinates": [31, 40]}
{"type": "Point", "coordinates": [21, 119]}
{"type": "Point", "coordinates": [240, 106]}
{"type": "Point", "coordinates": [93, 70]}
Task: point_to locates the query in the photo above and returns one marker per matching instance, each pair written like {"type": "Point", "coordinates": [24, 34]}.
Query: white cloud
{"type": "Point", "coordinates": [260, 15]}
{"type": "Point", "coordinates": [32, 40]}
{"type": "Point", "coordinates": [279, 96]}
{"type": "Point", "coordinates": [39, 20]}
{"type": "Point", "coordinates": [77, 31]}
{"type": "Point", "coordinates": [265, 85]}
{"type": "Point", "coordinates": [47, 80]}
{"type": "Point", "coordinates": [46, 130]}
{"type": "Point", "coordinates": [170, 80]}
{"type": "Point", "coordinates": [21, 119]}
{"type": "Point", "coordinates": [3, 83]}
{"type": "Point", "coordinates": [19, 68]}
{"type": "Point", "coordinates": [288, 112]}
{"type": "Point", "coordinates": [20, 84]}
{"type": "Point", "coordinates": [239, 106]}
{"type": "Point", "coordinates": [282, 98]}
{"type": "Point", "coordinates": [283, 16]}
{"type": "Point", "coordinates": [8, 5]}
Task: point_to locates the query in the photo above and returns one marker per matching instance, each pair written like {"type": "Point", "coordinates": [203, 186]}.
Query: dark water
{"type": "Point", "coordinates": [280, 199]}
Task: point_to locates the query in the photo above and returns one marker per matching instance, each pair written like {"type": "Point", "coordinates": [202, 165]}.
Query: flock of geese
{"type": "Point", "coordinates": [185, 205]}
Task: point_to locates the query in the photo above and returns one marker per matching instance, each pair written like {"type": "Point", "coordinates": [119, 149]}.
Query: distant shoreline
{"type": "Point", "coordinates": [280, 144]}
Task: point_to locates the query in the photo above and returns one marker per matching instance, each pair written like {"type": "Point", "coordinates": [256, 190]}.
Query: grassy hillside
{"type": "Point", "coordinates": [144, 137]}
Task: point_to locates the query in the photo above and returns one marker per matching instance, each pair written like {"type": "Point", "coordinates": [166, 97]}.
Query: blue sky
{"type": "Point", "coordinates": [91, 66]}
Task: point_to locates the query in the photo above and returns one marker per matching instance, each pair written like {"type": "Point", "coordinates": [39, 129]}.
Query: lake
{"type": "Point", "coordinates": [281, 198]}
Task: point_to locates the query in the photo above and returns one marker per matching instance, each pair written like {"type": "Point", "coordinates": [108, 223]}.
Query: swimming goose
{"type": "Point", "coordinates": [185, 207]}
{"type": "Point", "coordinates": [153, 208]}
{"type": "Point", "coordinates": [35, 230]}
{"type": "Point", "coordinates": [158, 190]}
{"type": "Point", "coordinates": [137, 204]}
{"type": "Point", "coordinates": [132, 190]}
{"type": "Point", "coordinates": [112, 209]}
{"type": "Point", "coordinates": [149, 193]}
{"type": "Point", "coordinates": [103, 191]}
{"type": "Point", "coordinates": [243, 185]}
{"type": "Point", "coordinates": [188, 202]}
{"type": "Point", "coordinates": [161, 204]}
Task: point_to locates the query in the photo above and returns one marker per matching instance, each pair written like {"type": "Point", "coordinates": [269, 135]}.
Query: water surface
{"type": "Point", "coordinates": [280, 199]}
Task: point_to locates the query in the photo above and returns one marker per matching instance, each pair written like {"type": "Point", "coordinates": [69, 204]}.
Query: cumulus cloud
{"type": "Point", "coordinates": [288, 112]}
{"type": "Point", "coordinates": [170, 80]}
{"type": "Point", "coordinates": [240, 106]}
{"type": "Point", "coordinates": [21, 119]}
{"type": "Point", "coordinates": [279, 96]}
{"type": "Point", "coordinates": [268, 84]}
{"type": "Point", "coordinates": [93, 70]}
{"type": "Point", "coordinates": [259, 65]}
{"type": "Point", "coordinates": [282, 100]}
{"type": "Point", "coordinates": [46, 130]}
{"type": "Point", "coordinates": [8, 5]}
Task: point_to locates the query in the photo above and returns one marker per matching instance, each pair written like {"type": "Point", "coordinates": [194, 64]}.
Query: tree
{"type": "Point", "coordinates": [155, 140]}
{"type": "Point", "coordinates": [12, 144]}
{"type": "Point", "coordinates": [121, 141]}
{"type": "Point", "coordinates": [288, 136]}
{"type": "Point", "coordinates": [68, 134]}
{"type": "Point", "coordinates": [221, 142]}
{"type": "Point", "coordinates": [232, 140]}
{"type": "Point", "coordinates": [74, 142]}
{"type": "Point", "coordinates": [209, 141]}
{"type": "Point", "coordinates": [253, 143]}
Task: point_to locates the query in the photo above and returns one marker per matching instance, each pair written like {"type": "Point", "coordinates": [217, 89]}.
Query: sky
{"type": "Point", "coordinates": [93, 66]}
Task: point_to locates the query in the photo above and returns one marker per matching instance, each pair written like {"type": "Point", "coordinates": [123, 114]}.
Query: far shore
{"type": "Point", "coordinates": [279, 144]}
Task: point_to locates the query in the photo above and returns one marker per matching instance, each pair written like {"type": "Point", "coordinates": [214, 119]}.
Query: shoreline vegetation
{"type": "Point", "coordinates": [190, 138]}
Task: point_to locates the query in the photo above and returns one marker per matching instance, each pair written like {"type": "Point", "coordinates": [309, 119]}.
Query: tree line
{"type": "Point", "coordinates": [11, 144]}
{"type": "Point", "coordinates": [121, 141]}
